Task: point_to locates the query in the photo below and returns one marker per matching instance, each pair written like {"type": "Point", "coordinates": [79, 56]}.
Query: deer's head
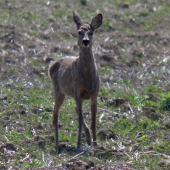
{"type": "Point", "coordinates": [85, 31]}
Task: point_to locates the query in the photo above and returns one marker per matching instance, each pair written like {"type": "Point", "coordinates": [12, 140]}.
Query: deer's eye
{"type": "Point", "coordinates": [90, 33]}
{"type": "Point", "coordinates": [80, 33]}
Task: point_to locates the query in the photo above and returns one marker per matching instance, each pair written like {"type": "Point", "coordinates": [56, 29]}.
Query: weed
{"type": "Point", "coordinates": [165, 103]}
{"type": "Point", "coordinates": [58, 13]}
{"type": "Point", "coordinates": [35, 62]}
{"type": "Point", "coordinates": [103, 91]}
{"type": "Point", "coordinates": [106, 70]}
{"type": "Point", "coordinates": [33, 32]}
{"type": "Point", "coordinates": [146, 26]}
{"type": "Point", "coordinates": [144, 14]}
{"type": "Point", "coordinates": [26, 103]}
{"type": "Point", "coordinates": [153, 89]}
{"type": "Point", "coordinates": [83, 2]}
{"type": "Point", "coordinates": [30, 15]}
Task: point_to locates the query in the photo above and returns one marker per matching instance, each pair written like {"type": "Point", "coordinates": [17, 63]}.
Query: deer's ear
{"type": "Point", "coordinates": [77, 19]}
{"type": "Point", "coordinates": [97, 21]}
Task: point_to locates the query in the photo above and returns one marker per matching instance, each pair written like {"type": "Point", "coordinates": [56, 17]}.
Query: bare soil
{"type": "Point", "coordinates": [132, 47]}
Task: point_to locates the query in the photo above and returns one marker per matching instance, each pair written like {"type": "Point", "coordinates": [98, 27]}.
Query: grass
{"type": "Point", "coordinates": [134, 99]}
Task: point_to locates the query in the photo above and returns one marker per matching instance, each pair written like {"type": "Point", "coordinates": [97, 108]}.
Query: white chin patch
{"type": "Point", "coordinates": [86, 45]}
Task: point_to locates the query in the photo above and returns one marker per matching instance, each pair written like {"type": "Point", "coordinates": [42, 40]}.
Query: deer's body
{"type": "Point", "coordinates": [77, 77]}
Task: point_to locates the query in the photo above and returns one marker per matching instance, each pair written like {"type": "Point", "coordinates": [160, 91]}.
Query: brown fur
{"type": "Point", "coordinates": [77, 77]}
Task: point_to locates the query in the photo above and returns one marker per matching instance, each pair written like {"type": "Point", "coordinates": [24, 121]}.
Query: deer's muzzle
{"type": "Point", "coordinates": [86, 40]}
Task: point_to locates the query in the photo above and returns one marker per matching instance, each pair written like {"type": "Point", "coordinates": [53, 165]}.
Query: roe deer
{"type": "Point", "coordinates": [78, 77]}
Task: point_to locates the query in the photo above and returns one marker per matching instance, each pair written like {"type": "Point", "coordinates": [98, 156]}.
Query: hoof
{"type": "Point", "coordinates": [79, 148]}
{"type": "Point", "coordinates": [89, 143]}
{"type": "Point", "coordinates": [94, 143]}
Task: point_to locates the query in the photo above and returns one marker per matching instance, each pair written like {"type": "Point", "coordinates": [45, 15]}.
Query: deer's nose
{"type": "Point", "coordinates": [86, 42]}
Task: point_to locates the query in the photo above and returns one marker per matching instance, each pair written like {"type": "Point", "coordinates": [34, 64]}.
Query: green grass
{"type": "Point", "coordinates": [165, 101]}
{"type": "Point", "coordinates": [140, 124]}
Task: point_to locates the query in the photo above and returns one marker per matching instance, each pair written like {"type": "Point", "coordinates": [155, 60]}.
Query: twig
{"type": "Point", "coordinates": [104, 110]}
{"type": "Point", "coordinates": [155, 153]}
{"type": "Point", "coordinates": [162, 60]}
{"type": "Point", "coordinates": [6, 138]}
{"type": "Point", "coordinates": [130, 108]}
{"type": "Point", "coordinates": [77, 155]}
{"type": "Point", "coordinates": [128, 156]}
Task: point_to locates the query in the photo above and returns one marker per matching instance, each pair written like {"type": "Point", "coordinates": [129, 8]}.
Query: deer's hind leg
{"type": "Point", "coordinates": [59, 98]}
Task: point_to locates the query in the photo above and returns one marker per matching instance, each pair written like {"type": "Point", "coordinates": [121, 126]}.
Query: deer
{"type": "Point", "coordinates": [77, 77]}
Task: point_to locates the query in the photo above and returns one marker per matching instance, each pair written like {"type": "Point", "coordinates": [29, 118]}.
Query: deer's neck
{"type": "Point", "coordinates": [86, 59]}
{"type": "Point", "coordinates": [87, 69]}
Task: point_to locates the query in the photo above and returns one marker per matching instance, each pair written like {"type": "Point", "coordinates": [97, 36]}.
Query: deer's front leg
{"type": "Point", "coordinates": [93, 112]}
{"type": "Point", "coordinates": [80, 120]}
{"type": "Point", "coordinates": [86, 130]}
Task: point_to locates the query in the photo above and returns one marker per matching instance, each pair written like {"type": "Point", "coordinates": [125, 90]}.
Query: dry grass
{"type": "Point", "coordinates": [132, 52]}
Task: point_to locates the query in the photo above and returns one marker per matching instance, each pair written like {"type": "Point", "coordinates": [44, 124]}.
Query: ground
{"type": "Point", "coordinates": [132, 52]}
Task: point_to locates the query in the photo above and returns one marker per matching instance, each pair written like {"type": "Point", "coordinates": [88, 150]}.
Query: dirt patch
{"type": "Point", "coordinates": [132, 54]}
